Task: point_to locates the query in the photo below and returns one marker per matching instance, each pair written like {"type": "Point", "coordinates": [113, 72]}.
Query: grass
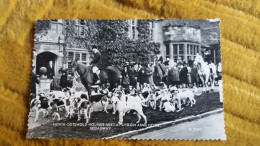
{"type": "Point", "coordinates": [204, 103]}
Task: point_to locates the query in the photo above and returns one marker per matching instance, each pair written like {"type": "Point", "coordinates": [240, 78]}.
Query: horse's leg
{"type": "Point", "coordinates": [89, 89]}
{"type": "Point", "coordinates": [213, 83]}
{"type": "Point", "coordinates": [203, 82]}
{"type": "Point", "coordinates": [206, 82]}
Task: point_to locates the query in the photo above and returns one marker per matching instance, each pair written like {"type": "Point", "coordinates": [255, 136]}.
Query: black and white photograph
{"type": "Point", "coordinates": [158, 79]}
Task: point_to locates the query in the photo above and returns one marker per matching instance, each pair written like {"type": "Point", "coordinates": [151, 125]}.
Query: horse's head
{"type": "Point", "coordinates": [198, 59]}
{"type": "Point", "coordinates": [74, 66]}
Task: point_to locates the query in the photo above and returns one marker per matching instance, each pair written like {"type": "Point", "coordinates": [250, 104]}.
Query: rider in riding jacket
{"type": "Point", "coordinates": [96, 61]}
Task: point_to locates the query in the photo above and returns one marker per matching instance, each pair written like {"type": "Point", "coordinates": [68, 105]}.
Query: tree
{"type": "Point", "coordinates": [42, 25]}
{"type": "Point", "coordinates": [111, 37]}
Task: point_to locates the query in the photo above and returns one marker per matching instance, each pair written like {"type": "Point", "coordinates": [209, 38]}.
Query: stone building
{"type": "Point", "coordinates": [49, 45]}
{"type": "Point", "coordinates": [174, 38]}
{"type": "Point", "coordinates": [180, 38]}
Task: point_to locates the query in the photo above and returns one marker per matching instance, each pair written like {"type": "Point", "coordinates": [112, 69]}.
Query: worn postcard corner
{"type": "Point", "coordinates": [127, 79]}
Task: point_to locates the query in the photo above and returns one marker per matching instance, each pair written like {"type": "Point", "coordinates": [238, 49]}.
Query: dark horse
{"type": "Point", "coordinates": [110, 75]}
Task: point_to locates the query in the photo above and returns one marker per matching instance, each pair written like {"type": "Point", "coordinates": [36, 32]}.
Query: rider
{"type": "Point", "coordinates": [96, 61]}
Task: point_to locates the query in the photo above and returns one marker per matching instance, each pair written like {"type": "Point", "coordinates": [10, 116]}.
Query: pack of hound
{"type": "Point", "coordinates": [81, 105]}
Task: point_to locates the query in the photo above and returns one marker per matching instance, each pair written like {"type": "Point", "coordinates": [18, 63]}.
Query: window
{"type": "Point", "coordinates": [188, 49]}
{"type": "Point", "coordinates": [175, 49]}
{"type": "Point", "coordinates": [81, 22]}
{"type": "Point", "coordinates": [194, 50]}
{"type": "Point", "coordinates": [77, 56]}
{"type": "Point", "coordinates": [81, 30]}
{"type": "Point", "coordinates": [181, 49]}
{"type": "Point", "coordinates": [167, 51]}
{"type": "Point", "coordinates": [175, 58]}
{"type": "Point", "coordinates": [191, 50]}
{"type": "Point", "coordinates": [133, 30]}
{"type": "Point", "coordinates": [56, 27]}
{"type": "Point", "coordinates": [71, 56]}
{"type": "Point", "coordinates": [70, 59]}
{"type": "Point", "coordinates": [151, 26]}
{"type": "Point", "coordinates": [60, 28]}
{"type": "Point", "coordinates": [84, 57]}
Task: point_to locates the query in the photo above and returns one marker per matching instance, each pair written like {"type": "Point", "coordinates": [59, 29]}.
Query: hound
{"type": "Point", "coordinates": [184, 95]}
{"type": "Point", "coordinates": [41, 104]}
{"type": "Point", "coordinates": [126, 103]}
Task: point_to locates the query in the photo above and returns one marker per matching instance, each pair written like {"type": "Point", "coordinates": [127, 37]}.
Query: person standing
{"type": "Point", "coordinates": [219, 72]}
{"type": "Point", "coordinates": [189, 66]}
{"type": "Point", "coordinates": [141, 76]}
{"type": "Point", "coordinates": [34, 81]}
{"type": "Point", "coordinates": [173, 74]}
{"type": "Point", "coordinates": [184, 75]}
{"type": "Point", "coordinates": [64, 77]}
{"type": "Point", "coordinates": [50, 74]}
{"type": "Point", "coordinates": [125, 78]}
{"type": "Point", "coordinates": [160, 71]}
{"type": "Point", "coordinates": [132, 73]}
{"type": "Point", "coordinates": [194, 75]}
{"type": "Point", "coordinates": [50, 70]}
{"type": "Point", "coordinates": [149, 72]}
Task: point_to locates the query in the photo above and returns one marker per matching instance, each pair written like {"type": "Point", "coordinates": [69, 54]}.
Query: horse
{"type": "Point", "coordinates": [109, 75]}
{"type": "Point", "coordinates": [203, 71]}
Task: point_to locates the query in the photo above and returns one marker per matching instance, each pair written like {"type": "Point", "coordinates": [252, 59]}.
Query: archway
{"type": "Point", "coordinates": [43, 59]}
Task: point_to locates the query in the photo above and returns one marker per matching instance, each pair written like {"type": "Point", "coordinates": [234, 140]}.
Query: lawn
{"type": "Point", "coordinates": [206, 102]}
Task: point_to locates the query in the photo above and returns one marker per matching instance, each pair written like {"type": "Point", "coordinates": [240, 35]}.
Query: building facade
{"type": "Point", "coordinates": [185, 38]}
{"type": "Point", "coordinates": [176, 39]}
{"type": "Point", "coordinates": [49, 45]}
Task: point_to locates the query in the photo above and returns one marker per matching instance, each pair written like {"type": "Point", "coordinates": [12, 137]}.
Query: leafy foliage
{"type": "Point", "coordinates": [111, 37]}
{"type": "Point", "coordinates": [42, 25]}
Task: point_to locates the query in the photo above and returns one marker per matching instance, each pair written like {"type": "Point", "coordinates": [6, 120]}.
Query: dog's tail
{"type": "Point", "coordinates": [143, 104]}
{"type": "Point", "coordinates": [196, 93]}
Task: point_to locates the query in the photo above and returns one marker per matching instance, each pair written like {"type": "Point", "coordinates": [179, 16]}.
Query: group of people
{"type": "Point", "coordinates": [179, 74]}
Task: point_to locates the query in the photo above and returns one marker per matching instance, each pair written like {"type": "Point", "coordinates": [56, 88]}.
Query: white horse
{"type": "Point", "coordinates": [203, 71]}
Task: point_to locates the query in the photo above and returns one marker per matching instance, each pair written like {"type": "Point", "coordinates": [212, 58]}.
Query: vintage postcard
{"type": "Point", "coordinates": [132, 79]}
